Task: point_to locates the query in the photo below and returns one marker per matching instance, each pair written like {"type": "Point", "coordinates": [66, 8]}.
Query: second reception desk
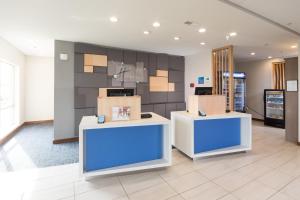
{"type": "Point", "coordinates": [211, 135]}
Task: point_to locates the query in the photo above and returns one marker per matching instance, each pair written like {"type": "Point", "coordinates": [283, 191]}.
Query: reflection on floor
{"type": "Point", "coordinates": [32, 148]}
{"type": "Point", "coordinates": [270, 171]}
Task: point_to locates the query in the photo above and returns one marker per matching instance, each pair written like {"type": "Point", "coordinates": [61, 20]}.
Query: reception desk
{"type": "Point", "coordinates": [198, 136]}
{"type": "Point", "coordinates": [123, 146]}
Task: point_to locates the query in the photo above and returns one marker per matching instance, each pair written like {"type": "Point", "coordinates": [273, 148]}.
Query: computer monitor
{"type": "Point", "coordinates": [120, 92]}
{"type": "Point", "coordinates": [203, 91]}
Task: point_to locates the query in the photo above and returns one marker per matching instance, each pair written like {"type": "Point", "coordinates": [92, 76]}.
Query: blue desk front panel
{"type": "Point", "coordinates": [111, 147]}
{"type": "Point", "coordinates": [216, 133]}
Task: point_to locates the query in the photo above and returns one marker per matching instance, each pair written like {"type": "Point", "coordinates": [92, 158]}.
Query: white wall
{"type": "Point", "coordinates": [12, 55]}
{"type": "Point", "coordinates": [195, 66]}
{"type": "Point", "coordinates": [39, 88]}
{"type": "Point", "coordinates": [258, 78]}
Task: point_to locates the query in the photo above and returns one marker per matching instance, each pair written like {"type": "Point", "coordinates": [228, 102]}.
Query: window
{"type": "Point", "coordinates": [7, 98]}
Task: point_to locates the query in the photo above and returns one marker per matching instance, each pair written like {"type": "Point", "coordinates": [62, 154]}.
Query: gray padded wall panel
{"type": "Point", "coordinates": [79, 62]}
{"type": "Point", "coordinates": [169, 108]}
{"type": "Point", "coordinates": [129, 57]}
{"type": "Point", "coordinates": [90, 80]}
{"type": "Point", "coordinates": [176, 63]}
{"type": "Point", "coordinates": [176, 96]}
{"type": "Point", "coordinates": [143, 57]}
{"type": "Point", "coordinates": [179, 86]}
{"type": "Point", "coordinates": [102, 70]}
{"type": "Point", "coordinates": [79, 113]}
{"type": "Point", "coordinates": [147, 108]}
{"type": "Point", "coordinates": [176, 76]}
{"type": "Point", "coordinates": [158, 97]}
{"type": "Point", "coordinates": [143, 91]}
{"type": "Point", "coordinates": [86, 97]}
{"type": "Point", "coordinates": [152, 60]}
{"type": "Point", "coordinates": [90, 49]}
{"type": "Point", "coordinates": [160, 109]}
{"type": "Point", "coordinates": [162, 61]}
{"type": "Point", "coordinates": [180, 106]}
{"type": "Point", "coordinates": [115, 55]}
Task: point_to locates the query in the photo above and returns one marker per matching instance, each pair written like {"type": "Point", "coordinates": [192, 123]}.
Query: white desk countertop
{"type": "Point", "coordinates": [219, 116]}
{"type": "Point", "coordinates": [90, 122]}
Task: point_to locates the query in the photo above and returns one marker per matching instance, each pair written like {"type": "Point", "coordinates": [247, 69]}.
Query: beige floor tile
{"type": "Point", "coordinates": [177, 170]}
{"type": "Point", "coordinates": [207, 191]}
{"type": "Point", "coordinates": [93, 184]}
{"type": "Point", "coordinates": [254, 170]}
{"type": "Point", "coordinates": [254, 191]}
{"type": "Point", "coordinates": [292, 168]}
{"type": "Point", "coordinates": [177, 197]}
{"type": "Point", "coordinates": [139, 181]}
{"type": "Point", "coordinates": [216, 170]}
{"type": "Point", "coordinates": [229, 197]}
{"type": "Point", "coordinates": [56, 193]}
{"type": "Point", "coordinates": [276, 179]}
{"type": "Point", "coordinates": [158, 192]}
{"type": "Point", "coordinates": [293, 189]}
{"type": "Point", "coordinates": [232, 181]}
{"type": "Point", "coordinates": [187, 181]}
{"type": "Point", "coordinates": [281, 196]}
{"type": "Point", "coordinates": [106, 193]}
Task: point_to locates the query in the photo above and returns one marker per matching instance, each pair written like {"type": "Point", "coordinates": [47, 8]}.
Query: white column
{"type": "Point", "coordinates": [298, 91]}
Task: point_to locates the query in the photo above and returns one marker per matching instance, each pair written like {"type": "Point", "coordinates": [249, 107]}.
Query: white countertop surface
{"type": "Point", "coordinates": [219, 116]}
{"type": "Point", "coordinates": [90, 122]}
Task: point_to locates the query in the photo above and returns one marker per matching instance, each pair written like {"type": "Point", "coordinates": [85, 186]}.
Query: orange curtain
{"type": "Point", "coordinates": [278, 75]}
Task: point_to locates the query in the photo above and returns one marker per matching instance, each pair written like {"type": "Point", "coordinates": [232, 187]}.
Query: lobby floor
{"type": "Point", "coordinates": [270, 171]}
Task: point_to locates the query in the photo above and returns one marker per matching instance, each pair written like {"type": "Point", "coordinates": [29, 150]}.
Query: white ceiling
{"type": "Point", "coordinates": [32, 25]}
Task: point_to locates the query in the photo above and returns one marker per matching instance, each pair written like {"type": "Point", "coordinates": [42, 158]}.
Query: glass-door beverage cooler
{"type": "Point", "coordinates": [274, 108]}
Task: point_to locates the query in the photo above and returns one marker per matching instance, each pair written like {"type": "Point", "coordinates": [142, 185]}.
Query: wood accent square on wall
{"type": "Point", "coordinates": [162, 73]}
{"type": "Point", "coordinates": [88, 69]}
{"type": "Point", "coordinates": [95, 60]}
{"type": "Point", "coordinates": [158, 84]}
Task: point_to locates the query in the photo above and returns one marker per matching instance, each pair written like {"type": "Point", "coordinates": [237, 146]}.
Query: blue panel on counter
{"type": "Point", "coordinates": [111, 147]}
{"type": "Point", "coordinates": [216, 133]}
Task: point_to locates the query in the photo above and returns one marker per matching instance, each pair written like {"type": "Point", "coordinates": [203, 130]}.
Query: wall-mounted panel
{"type": "Point", "coordinates": [147, 108]}
{"type": "Point", "coordinates": [175, 96]}
{"type": "Point", "coordinates": [86, 97]}
{"type": "Point", "coordinates": [90, 80]}
{"type": "Point", "coordinates": [162, 61]}
{"type": "Point", "coordinates": [169, 108]}
{"type": "Point", "coordinates": [89, 49]}
{"type": "Point", "coordinates": [129, 57]}
{"type": "Point", "coordinates": [158, 84]}
{"type": "Point", "coordinates": [180, 106]}
{"type": "Point", "coordinates": [176, 63]}
{"type": "Point", "coordinates": [179, 86]}
{"type": "Point", "coordinates": [143, 91]}
{"type": "Point", "coordinates": [115, 55]}
{"type": "Point", "coordinates": [102, 70]}
{"type": "Point", "coordinates": [143, 57]}
{"type": "Point", "coordinates": [95, 60]}
{"type": "Point", "coordinates": [160, 109]}
{"type": "Point", "coordinates": [153, 60]}
{"type": "Point", "coordinates": [158, 97]}
{"type": "Point", "coordinates": [79, 63]}
{"type": "Point", "coordinates": [176, 76]}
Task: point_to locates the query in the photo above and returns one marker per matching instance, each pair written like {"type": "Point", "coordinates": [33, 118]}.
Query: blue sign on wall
{"type": "Point", "coordinates": [201, 80]}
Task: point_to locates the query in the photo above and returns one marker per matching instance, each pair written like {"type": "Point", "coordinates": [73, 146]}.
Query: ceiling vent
{"type": "Point", "coordinates": [188, 23]}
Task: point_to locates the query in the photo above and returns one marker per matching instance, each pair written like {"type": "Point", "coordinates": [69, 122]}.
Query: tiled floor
{"type": "Point", "coordinates": [270, 171]}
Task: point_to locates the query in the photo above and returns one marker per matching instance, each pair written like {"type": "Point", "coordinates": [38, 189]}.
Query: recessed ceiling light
{"type": "Point", "coordinates": [253, 53]}
{"type": "Point", "coordinates": [147, 32]}
{"type": "Point", "coordinates": [113, 19]}
{"type": "Point", "coordinates": [176, 38]}
{"type": "Point", "coordinates": [202, 43]}
{"type": "Point", "coordinates": [294, 46]}
{"type": "Point", "coordinates": [156, 24]}
{"type": "Point", "coordinates": [232, 34]}
{"type": "Point", "coordinates": [202, 30]}
{"type": "Point", "coordinates": [270, 57]}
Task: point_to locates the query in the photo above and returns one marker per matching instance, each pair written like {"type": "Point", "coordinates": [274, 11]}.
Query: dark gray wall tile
{"type": "Point", "coordinates": [143, 57]}
{"type": "Point", "coordinates": [79, 62]}
{"type": "Point", "coordinates": [180, 106]}
{"type": "Point", "coordinates": [143, 91]}
{"type": "Point", "coordinates": [90, 80]}
{"type": "Point", "coordinates": [89, 49]}
{"type": "Point", "coordinates": [179, 86]}
{"type": "Point", "coordinates": [162, 61]}
{"type": "Point", "coordinates": [129, 57]}
{"type": "Point", "coordinates": [86, 97]}
{"type": "Point", "coordinates": [176, 96]}
{"type": "Point", "coordinates": [102, 70]}
{"type": "Point", "coordinates": [176, 76]}
{"type": "Point", "coordinates": [160, 109]}
{"type": "Point", "coordinates": [152, 60]}
{"type": "Point", "coordinates": [79, 113]}
{"type": "Point", "coordinates": [147, 108]}
{"type": "Point", "coordinates": [115, 55]}
{"type": "Point", "coordinates": [169, 108]}
{"type": "Point", "coordinates": [158, 97]}
{"type": "Point", "coordinates": [176, 63]}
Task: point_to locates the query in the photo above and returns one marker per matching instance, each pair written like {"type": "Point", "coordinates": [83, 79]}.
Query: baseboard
{"type": "Point", "coordinates": [38, 122]}
{"type": "Point", "coordinates": [66, 140]}
{"type": "Point", "coordinates": [256, 119]}
{"type": "Point", "coordinates": [11, 134]}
